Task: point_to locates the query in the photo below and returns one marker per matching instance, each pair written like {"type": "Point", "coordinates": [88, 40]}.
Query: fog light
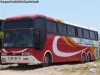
{"type": "Point", "coordinates": [3, 59]}
{"type": "Point", "coordinates": [11, 58]}
{"type": "Point", "coordinates": [15, 58]}
{"type": "Point", "coordinates": [25, 58]}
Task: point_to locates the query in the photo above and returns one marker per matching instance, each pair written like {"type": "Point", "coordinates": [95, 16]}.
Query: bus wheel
{"type": "Point", "coordinates": [83, 58]}
{"type": "Point", "coordinates": [89, 58]}
{"type": "Point", "coordinates": [47, 60]}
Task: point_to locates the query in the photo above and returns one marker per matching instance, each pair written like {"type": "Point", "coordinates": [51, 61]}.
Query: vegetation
{"type": "Point", "coordinates": [84, 69]}
{"type": "Point", "coordinates": [98, 60]}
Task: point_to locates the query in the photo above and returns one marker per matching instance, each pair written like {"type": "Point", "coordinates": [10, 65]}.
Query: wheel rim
{"type": "Point", "coordinates": [47, 60]}
{"type": "Point", "coordinates": [83, 58]}
{"type": "Point", "coordinates": [89, 58]}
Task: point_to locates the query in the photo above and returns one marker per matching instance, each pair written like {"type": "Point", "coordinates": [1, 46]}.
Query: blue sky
{"type": "Point", "coordinates": [82, 12]}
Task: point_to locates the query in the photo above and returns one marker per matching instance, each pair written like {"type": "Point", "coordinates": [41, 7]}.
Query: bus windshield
{"type": "Point", "coordinates": [18, 38]}
{"type": "Point", "coordinates": [20, 23]}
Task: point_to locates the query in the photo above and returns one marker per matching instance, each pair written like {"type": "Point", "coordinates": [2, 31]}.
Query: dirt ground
{"type": "Point", "coordinates": [55, 69]}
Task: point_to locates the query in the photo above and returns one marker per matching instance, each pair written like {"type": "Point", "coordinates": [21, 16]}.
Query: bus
{"type": "Point", "coordinates": [39, 39]}
{"type": "Point", "coordinates": [1, 35]}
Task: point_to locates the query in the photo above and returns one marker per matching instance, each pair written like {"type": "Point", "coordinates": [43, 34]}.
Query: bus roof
{"type": "Point", "coordinates": [2, 18]}
{"type": "Point", "coordinates": [49, 18]}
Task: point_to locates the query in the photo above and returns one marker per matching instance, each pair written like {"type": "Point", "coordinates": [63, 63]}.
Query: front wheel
{"type": "Point", "coordinates": [47, 60]}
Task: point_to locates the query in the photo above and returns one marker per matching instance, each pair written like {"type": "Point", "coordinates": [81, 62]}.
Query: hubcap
{"type": "Point", "coordinates": [46, 59]}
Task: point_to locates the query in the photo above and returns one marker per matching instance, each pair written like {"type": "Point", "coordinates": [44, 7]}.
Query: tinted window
{"type": "Point", "coordinates": [71, 30]}
{"type": "Point", "coordinates": [23, 23]}
{"type": "Point", "coordinates": [51, 26]}
{"type": "Point", "coordinates": [92, 35]}
{"type": "Point", "coordinates": [60, 28]}
{"type": "Point", "coordinates": [86, 33]}
{"type": "Point", "coordinates": [64, 29]}
{"type": "Point", "coordinates": [80, 33]}
{"type": "Point", "coordinates": [54, 27]}
{"type": "Point", "coordinates": [96, 35]}
{"type": "Point", "coordinates": [0, 24]}
{"type": "Point", "coordinates": [39, 23]}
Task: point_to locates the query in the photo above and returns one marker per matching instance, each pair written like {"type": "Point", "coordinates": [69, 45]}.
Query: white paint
{"type": "Point", "coordinates": [63, 54]}
{"type": "Point", "coordinates": [5, 51]}
{"type": "Point", "coordinates": [31, 59]}
{"type": "Point", "coordinates": [89, 28]}
{"type": "Point", "coordinates": [19, 51]}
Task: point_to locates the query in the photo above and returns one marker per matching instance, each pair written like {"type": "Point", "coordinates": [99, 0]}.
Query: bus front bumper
{"type": "Point", "coordinates": [20, 59]}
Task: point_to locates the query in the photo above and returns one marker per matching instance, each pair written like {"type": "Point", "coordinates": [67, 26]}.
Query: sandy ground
{"type": "Point", "coordinates": [55, 69]}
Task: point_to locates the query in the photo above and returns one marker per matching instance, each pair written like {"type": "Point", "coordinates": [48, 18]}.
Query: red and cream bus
{"type": "Point", "coordinates": [1, 35]}
{"type": "Point", "coordinates": [39, 39]}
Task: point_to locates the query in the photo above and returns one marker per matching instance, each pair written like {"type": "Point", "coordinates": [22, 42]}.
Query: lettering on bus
{"type": "Point", "coordinates": [85, 42]}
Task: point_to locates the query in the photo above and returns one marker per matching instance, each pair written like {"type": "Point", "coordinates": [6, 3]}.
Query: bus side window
{"type": "Point", "coordinates": [71, 30]}
{"type": "Point", "coordinates": [39, 23]}
{"type": "Point", "coordinates": [86, 33]}
{"type": "Point", "coordinates": [92, 35]}
{"type": "Point", "coordinates": [64, 29]}
{"type": "Point", "coordinates": [76, 31]}
{"type": "Point", "coordinates": [59, 28]}
{"type": "Point", "coordinates": [54, 27]}
{"type": "Point", "coordinates": [0, 24]}
{"type": "Point", "coordinates": [51, 26]}
{"type": "Point", "coordinates": [80, 32]}
{"type": "Point", "coordinates": [96, 35]}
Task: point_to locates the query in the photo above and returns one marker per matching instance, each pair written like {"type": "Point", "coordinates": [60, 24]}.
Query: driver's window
{"type": "Point", "coordinates": [39, 23]}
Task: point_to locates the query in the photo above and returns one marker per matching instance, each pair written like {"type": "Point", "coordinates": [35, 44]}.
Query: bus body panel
{"type": "Point", "coordinates": [1, 35]}
{"type": "Point", "coordinates": [62, 48]}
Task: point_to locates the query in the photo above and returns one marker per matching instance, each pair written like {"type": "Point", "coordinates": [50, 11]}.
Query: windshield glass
{"type": "Point", "coordinates": [20, 23]}
{"type": "Point", "coordinates": [9, 38]}
{"type": "Point", "coordinates": [24, 38]}
{"type": "Point", "coordinates": [18, 38]}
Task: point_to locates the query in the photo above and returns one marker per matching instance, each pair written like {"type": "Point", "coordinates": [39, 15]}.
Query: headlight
{"type": "Point", "coordinates": [26, 53]}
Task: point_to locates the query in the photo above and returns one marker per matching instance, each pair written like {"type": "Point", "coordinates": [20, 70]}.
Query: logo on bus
{"type": "Point", "coordinates": [85, 42]}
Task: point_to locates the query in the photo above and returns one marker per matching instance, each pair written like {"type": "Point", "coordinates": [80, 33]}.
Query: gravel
{"type": "Point", "coordinates": [55, 69]}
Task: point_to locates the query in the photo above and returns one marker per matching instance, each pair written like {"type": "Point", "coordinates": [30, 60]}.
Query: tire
{"type": "Point", "coordinates": [47, 60]}
{"type": "Point", "coordinates": [88, 58]}
{"type": "Point", "coordinates": [83, 58]}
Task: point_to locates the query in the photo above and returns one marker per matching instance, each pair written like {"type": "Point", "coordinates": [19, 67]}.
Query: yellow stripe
{"type": "Point", "coordinates": [92, 48]}
{"type": "Point", "coordinates": [64, 38]}
{"type": "Point", "coordinates": [73, 41]}
{"type": "Point", "coordinates": [1, 34]}
{"type": "Point", "coordinates": [55, 19]}
{"type": "Point", "coordinates": [2, 18]}
{"type": "Point", "coordinates": [62, 21]}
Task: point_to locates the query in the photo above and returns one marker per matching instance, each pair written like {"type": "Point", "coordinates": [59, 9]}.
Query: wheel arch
{"type": "Point", "coordinates": [48, 51]}
{"type": "Point", "coordinates": [83, 52]}
{"type": "Point", "coordinates": [89, 53]}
